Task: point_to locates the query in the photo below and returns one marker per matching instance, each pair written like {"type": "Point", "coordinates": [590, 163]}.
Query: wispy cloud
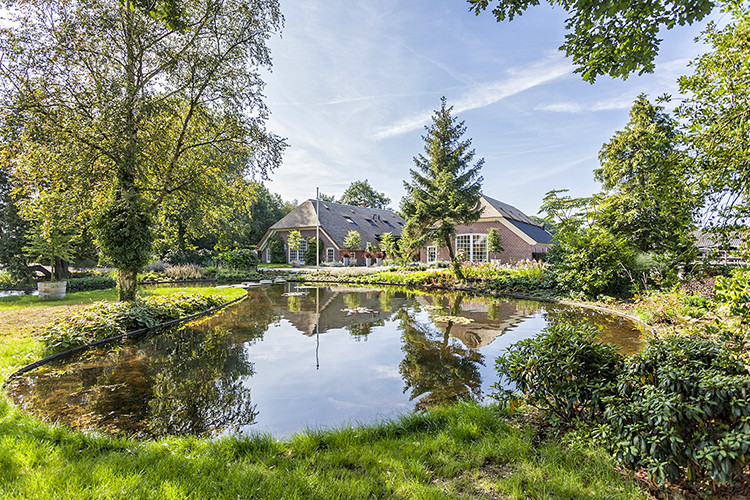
{"type": "Point", "coordinates": [518, 80]}
{"type": "Point", "coordinates": [575, 107]}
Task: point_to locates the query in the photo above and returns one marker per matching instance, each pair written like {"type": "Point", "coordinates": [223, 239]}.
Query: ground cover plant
{"type": "Point", "coordinates": [108, 319]}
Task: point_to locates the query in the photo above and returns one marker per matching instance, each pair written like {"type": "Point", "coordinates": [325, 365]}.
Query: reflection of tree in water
{"type": "Point", "coordinates": [200, 388]}
{"type": "Point", "coordinates": [440, 371]}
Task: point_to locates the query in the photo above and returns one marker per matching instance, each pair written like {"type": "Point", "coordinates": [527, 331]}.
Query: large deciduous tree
{"type": "Point", "coordinates": [445, 187]}
{"type": "Point", "coordinates": [648, 197]}
{"type": "Point", "coordinates": [361, 192]}
{"type": "Point", "coordinates": [716, 116]}
{"type": "Point", "coordinates": [131, 105]}
{"type": "Point", "coordinates": [610, 37]}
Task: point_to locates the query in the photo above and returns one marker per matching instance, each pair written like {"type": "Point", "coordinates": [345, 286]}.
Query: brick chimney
{"type": "Point", "coordinates": [363, 204]}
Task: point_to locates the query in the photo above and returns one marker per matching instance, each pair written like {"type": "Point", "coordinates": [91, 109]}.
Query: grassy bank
{"type": "Point", "coordinates": [461, 452]}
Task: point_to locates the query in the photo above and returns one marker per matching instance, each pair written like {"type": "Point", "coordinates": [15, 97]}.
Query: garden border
{"type": "Point", "coordinates": [124, 336]}
{"type": "Point", "coordinates": [512, 295]}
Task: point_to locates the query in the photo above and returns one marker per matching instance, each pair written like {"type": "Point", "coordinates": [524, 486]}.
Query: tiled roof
{"type": "Point", "coordinates": [337, 220]}
{"type": "Point", "coordinates": [536, 232]}
{"type": "Point", "coordinates": [507, 211]}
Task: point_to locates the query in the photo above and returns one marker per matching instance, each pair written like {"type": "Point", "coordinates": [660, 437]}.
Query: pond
{"type": "Point", "coordinates": [290, 357]}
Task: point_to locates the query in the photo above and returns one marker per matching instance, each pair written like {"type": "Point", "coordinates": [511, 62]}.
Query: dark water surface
{"type": "Point", "coordinates": [290, 357]}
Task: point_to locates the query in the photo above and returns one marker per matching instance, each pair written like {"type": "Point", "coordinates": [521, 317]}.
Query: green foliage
{"type": "Point", "coordinates": [276, 247]}
{"type": "Point", "coordinates": [616, 37]}
{"type": "Point", "coordinates": [494, 243]}
{"type": "Point", "coordinates": [13, 231]}
{"type": "Point", "coordinates": [361, 191]}
{"type": "Point", "coordinates": [714, 111]}
{"type": "Point", "coordinates": [388, 244]}
{"type": "Point", "coordinates": [124, 233]}
{"type": "Point", "coordinates": [352, 241]}
{"type": "Point", "coordinates": [733, 292]}
{"type": "Point", "coordinates": [590, 262]}
{"type": "Point", "coordinates": [294, 240]}
{"type": "Point", "coordinates": [49, 244]}
{"type": "Point", "coordinates": [563, 371]}
{"type": "Point", "coordinates": [90, 283]}
{"type": "Point", "coordinates": [647, 198]}
{"type": "Point", "coordinates": [243, 259]}
{"type": "Point", "coordinates": [108, 319]}
{"type": "Point", "coordinates": [313, 245]}
{"type": "Point", "coordinates": [682, 410]}
{"type": "Point", "coordinates": [445, 187]}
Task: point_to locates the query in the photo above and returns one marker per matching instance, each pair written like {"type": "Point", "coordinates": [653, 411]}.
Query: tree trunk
{"type": "Point", "coordinates": [455, 264]}
{"type": "Point", "coordinates": [127, 285]}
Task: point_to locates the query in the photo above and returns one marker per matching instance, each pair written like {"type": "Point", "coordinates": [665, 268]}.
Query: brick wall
{"type": "Point", "coordinates": [514, 248]}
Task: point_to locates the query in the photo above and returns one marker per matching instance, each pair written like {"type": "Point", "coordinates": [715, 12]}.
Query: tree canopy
{"type": "Point", "coordinates": [610, 37]}
{"type": "Point", "coordinates": [445, 187]}
{"type": "Point", "coordinates": [715, 113]}
{"type": "Point", "coordinates": [648, 197]}
{"type": "Point", "coordinates": [361, 191]}
{"type": "Point", "coordinates": [136, 107]}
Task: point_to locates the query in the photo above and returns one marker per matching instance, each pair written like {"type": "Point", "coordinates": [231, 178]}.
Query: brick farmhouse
{"type": "Point", "coordinates": [522, 238]}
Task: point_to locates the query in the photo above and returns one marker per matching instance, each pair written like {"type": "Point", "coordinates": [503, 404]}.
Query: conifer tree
{"type": "Point", "coordinates": [445, 187]}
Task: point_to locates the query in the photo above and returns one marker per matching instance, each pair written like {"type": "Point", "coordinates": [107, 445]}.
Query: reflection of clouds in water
{"type": "Point", "coordinates": [386, 371]}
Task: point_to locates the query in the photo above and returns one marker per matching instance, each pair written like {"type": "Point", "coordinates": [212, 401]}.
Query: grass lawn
{"type": "Point", "coordinates": [466, 451]}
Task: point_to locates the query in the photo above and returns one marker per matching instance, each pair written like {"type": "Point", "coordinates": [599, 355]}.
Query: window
{"type": "Point", "coordinates": [371, 223]}
{"type": "Point", "coordinates": [298, 255]}
{"type": "Point", "coordinates": [349, 220]}
{"type": "Point", "coordinates": [474, 246]}
{"type": "Point", "coordinates": [431, 254]}
{"type": "Point", "coordinates": [329, 254]}
{"type": "Point", "coordinates": [388, 224]}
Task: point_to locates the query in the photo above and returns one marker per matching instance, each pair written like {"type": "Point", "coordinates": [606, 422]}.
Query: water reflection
{"type": "Point", "coordinates": [290, 357]}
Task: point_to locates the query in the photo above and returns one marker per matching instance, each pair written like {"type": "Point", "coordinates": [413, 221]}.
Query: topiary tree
{"type": "Point", "coordinates": [353, 241]}
{"type": "Point", "coordinates": [310, 251]}
{"type": "Point", "coordinates": [276, 248]}
{"type": "Point", "coordinates": [294, 240]}
{"type": "Point", "coordinates": [494, 243]}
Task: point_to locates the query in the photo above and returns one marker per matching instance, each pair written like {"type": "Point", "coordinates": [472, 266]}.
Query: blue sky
{"type": "Point", "coordinates": [354, 82]}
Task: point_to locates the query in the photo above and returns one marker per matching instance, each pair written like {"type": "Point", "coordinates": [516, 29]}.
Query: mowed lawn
{"type": "Point", "coordinates": [465, 451]}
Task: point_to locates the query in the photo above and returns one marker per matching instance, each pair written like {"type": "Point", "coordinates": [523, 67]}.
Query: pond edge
{"type": "Point", "coordinates": [110, 340]}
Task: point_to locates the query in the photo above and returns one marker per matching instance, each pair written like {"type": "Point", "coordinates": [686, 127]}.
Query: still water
{"type": "Point", "coordinates": [291, 357]}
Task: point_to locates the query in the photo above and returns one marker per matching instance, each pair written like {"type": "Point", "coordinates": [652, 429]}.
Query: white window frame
{"type": "Point", "coordinates": [298, 255]}
{"type": "Point", "coordinates": [330, 254]}
{"type": "Point", "coordinates": [474, 239]}
{"type": "Point", "coordinates": [433, 250]}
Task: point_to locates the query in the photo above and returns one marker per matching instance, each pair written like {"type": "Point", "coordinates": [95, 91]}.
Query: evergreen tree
{"type": "Point", "coordinates": [445, 187]}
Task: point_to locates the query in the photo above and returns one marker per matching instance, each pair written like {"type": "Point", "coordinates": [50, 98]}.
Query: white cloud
{"type": "Point", "coordinates": [517, 81]}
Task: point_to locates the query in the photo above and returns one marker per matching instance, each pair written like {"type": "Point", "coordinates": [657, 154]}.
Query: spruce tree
{"type": "Point", "coordinates": [445, 187]}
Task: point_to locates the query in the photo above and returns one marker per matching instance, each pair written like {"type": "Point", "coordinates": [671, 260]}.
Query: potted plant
{"type": "Point", "coordinates": [352, 243]}
{"type": "Point", "coordinates": [369, 252]}
{"type": "Point", "coordinates": [345, 257]}
{"type": "Point", "coordinates": [379, 257]}
{"type": "Point", "coordinates": [50, 244]}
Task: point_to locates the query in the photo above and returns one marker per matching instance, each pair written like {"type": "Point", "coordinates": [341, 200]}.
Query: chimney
{"type": "Point", "coordinates": [363, 204]}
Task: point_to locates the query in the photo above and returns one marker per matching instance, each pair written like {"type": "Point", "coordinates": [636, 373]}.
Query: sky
{"type": "Point", "coordinates": [355, 82]}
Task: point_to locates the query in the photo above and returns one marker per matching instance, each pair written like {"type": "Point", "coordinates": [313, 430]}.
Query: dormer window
{"type": "Point", "coordinates": [349, 220]}
{"type": "Point", "coordinates": [371, 223]}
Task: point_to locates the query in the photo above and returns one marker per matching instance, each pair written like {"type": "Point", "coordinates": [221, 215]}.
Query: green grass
{"type": "Point", "coordinates": [272, 266]}
{"type": "Point", "coordinates": [460, 452]}
{"type": "Point", "coordinates": [466, 451]}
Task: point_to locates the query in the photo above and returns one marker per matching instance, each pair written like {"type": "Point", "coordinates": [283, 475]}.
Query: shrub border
{"type": "Point", "coordinates": [123, 336]}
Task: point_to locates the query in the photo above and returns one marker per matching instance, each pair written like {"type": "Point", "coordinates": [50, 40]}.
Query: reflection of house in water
{"type": "Point", "coordinates": [331, 307]}
{"type": "Point", "coordinates": [489, 318]}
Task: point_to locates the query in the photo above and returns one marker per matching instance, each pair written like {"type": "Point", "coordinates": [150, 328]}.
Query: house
{"type": "Point", "coordinates": [521, 237]}
{"type": "Point", "coordinates": [718, 248]}
{"type": "Point", "coordinates": [336, 220]}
